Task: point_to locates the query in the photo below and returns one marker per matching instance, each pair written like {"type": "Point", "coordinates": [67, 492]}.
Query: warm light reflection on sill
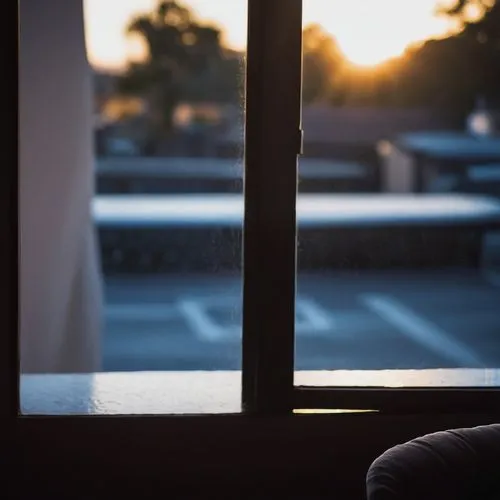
{"type": "Point", "coordinates": [318, 411]}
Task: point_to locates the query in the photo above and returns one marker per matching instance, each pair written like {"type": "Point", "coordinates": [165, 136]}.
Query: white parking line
{"type": "Point", "coordinates": [202, 325]}
{"type": "Point", "coordinates": [419, 329]}
{"type": "Point", "coordinates": [140, 312]}
{"type": "Point", "coordinates": [312, 318]}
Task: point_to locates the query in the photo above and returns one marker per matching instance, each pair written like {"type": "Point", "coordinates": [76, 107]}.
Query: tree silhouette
{"type": "Point", "coordinates": [483, 37]}
{"type": "Point", "coordinates": [322, 64]}
{"type": "Point", "coordinates": [187, 61]}
{"type": "Point", "coordinates": [180, 51]}
{"type": "Point", "coordinates": [451, 73]}
{"type": "Point", "coordinates": [446, 74]}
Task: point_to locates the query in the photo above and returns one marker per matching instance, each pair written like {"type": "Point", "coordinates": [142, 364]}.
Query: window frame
{"type": "Point", "coordinates": [272, 145]}
{"type": "Point", "coordinates": [273, 116]}
{"type": "Point", "coordinates": [109, 454]}
{"type": "Point", "coordinates": [9, 264]}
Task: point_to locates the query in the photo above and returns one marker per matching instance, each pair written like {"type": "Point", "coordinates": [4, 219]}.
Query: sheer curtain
{"type": "Point", "coordinates": [60, 284]}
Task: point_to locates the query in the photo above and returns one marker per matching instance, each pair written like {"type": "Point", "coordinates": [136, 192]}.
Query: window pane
{"type": "Point", "coordinates": [168, 95]}
{"type": "Point", "coordinates": [173, 286]}
{"type": "Point", "coordinates": [399, 195]}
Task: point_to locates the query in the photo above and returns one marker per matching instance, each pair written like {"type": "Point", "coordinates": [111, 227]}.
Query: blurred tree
{"type": "Point", "coordinates": [466, 10]}
{"type": "Point", "coordinates": [447, 74]}
{"type": "Point", "coordinates": [480, 22]}
{"type": "Point", "coordinates": [322, 65]}
{"type": "Point", "coordinates": [223, 82]}
{"type": "Point", "coordinates": [183, 57]}
{"type": "Point", "coordinates": [186, 61]}
{"type": "Point", "coordinates": [451, 73]}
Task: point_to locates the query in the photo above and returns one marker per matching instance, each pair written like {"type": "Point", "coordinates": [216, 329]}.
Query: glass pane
{"type": "Point", "coordinates": [399, 195]}
{"type": "Point", "coordinates": [168, 117]}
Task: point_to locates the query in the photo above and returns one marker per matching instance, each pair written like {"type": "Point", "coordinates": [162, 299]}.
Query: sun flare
{"type": "Point", "coordinates": [370, 32]}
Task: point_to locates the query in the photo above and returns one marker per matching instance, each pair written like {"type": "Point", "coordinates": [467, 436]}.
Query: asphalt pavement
{"type": "Point", "coordinates": [345, 320]}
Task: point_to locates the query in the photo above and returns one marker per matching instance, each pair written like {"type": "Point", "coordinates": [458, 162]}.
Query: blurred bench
{"type": "Point", "coordinates": [203, 232]}
{"type": "Point", "coordinates": [219, 175]}
{"type": "Point", "coordinates": [415, 162]}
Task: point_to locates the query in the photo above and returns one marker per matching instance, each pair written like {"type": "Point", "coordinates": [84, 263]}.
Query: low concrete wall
{"type": "Point", "coordinates": [219, 249]}
{"type": "Point", "coordinates": [216, 175]}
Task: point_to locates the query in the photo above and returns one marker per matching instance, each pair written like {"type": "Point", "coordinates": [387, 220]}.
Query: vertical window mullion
{"type": "Point", "coordinates": [272, 143]}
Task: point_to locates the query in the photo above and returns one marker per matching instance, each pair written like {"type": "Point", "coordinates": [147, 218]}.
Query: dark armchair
{"type": "Point", "coordinates": [459, 464]}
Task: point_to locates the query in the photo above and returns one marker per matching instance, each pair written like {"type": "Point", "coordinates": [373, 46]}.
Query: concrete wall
{"type": "Point", "coordinates": [60, 293]}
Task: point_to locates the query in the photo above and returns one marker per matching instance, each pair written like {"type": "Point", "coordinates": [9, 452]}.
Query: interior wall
{"type": "Point", "coordinates": [60, 293]}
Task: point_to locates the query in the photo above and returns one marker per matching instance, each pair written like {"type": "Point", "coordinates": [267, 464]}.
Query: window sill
{"type": "Point", "coordinates": [133, 456]}
{"type": "Point", "coordinates": [155, 393]}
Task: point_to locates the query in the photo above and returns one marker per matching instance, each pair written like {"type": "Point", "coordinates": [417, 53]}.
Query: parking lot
{"type": "Point", "coordinates": [345, 320]}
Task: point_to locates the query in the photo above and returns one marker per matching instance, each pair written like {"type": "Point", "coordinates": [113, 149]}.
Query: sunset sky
{"type": "Point", "coordinates": [367, 31]}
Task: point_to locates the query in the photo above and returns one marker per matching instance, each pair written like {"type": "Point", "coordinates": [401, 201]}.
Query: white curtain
{"type": "Point", "coordinates": [60, 289]}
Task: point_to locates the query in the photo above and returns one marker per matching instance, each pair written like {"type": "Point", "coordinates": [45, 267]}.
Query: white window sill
{"type": "Point", "coordinates": [154, 393]}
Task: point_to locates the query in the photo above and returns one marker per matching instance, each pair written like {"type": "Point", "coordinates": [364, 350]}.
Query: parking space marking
{"type": "Point", "coordinates": [201, 324]}
{"type": "Point", "coordinates": [419, 329]}
{"type": "Point", "coordinates": [311, 318]}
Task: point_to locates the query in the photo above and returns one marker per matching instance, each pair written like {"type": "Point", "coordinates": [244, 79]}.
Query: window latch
{"type": "Point", "coordinates": [300, 145]}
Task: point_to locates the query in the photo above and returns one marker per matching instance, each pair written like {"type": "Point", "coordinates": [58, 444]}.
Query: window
{"type": "Point", "coordinates": [169, 209]}
{"type": "Point", "coordinates": [383, 223]}
{"type": "Point", "coordinates": [306, 446]}
{"type": "Point", "coordinates": [396, 256]}
{"type": "Point", "coordinates": [272, 314]}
